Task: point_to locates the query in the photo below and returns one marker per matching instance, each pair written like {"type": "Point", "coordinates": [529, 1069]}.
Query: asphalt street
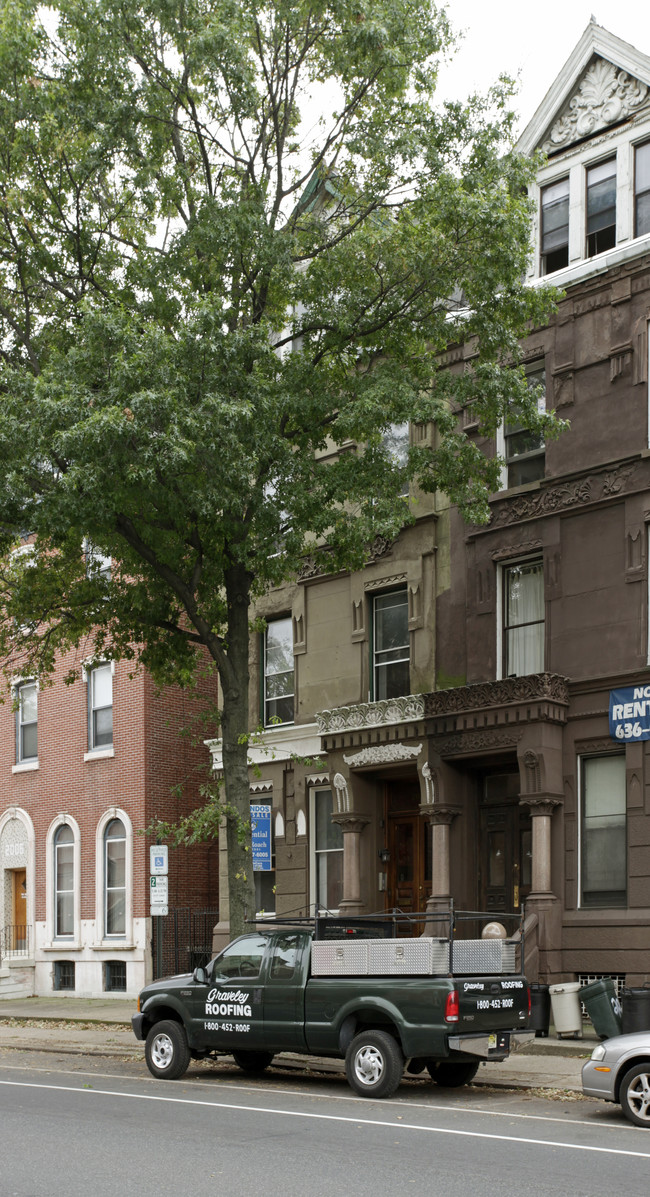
{"type": "Point", "coordinates": [84, 1125]}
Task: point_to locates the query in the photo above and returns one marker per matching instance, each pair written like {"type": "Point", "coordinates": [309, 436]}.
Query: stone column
{"type": "Point", "coordinates": [541, 811]}
{"type": "Point", "coordinates": [352, 826]}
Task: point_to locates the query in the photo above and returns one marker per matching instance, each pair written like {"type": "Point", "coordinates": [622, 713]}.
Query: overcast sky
{"type": "Point", "coordinates": [531, 41]}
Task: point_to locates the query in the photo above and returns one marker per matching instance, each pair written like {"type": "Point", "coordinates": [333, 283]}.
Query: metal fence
{"type": "Point", "coordinates": [14, 940]}
{"type": "Point", "coordinates": [182, 940]}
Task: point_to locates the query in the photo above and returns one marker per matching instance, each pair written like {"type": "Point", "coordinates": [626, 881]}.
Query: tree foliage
{"type": "Point", "coordinates": [235, 237]}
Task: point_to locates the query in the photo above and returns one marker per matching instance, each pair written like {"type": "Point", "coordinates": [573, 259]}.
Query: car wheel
{"type": "Point", "coordinates": [374, 1064]}
{"type": "Point", "coordinates": [451, 1076]}
{"type": "Point", "coordinates": [634, 1094]}
{"type": "Point", "coordinates": [166, 1050]}
{"type": "Point", "coordinates": [252, 1061]}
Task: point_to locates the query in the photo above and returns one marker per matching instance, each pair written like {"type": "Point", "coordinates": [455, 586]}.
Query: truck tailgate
{"type": "Point", "coordinates": [492, 1003]}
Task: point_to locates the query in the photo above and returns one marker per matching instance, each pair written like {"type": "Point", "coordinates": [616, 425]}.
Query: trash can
{"type": "Point", "coordinates": [540, 1010]}
{"type": "Point", "coordinates": [565, 1004]}
{"type": "Point", "coordinates": [636, 1009]}
{"type": "Point", "coordinates": [603, 1007]}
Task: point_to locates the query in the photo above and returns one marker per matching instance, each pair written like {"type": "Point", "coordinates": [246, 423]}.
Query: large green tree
{"type": "Point", "coordinates": [236, 234]}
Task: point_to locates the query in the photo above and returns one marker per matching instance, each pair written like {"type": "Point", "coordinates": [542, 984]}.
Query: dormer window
{"type": "Point", "coordinates": [601, 207]}
{"type": "Point", "coordinates": [555, 226]}
{"type": "Point", "coordinates": [642, 189]}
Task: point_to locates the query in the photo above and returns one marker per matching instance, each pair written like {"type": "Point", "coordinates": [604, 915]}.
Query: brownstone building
{"type": "Point", "coordinates": [85, 768]}
{"type": "Point", "coordinates": [452, 699]}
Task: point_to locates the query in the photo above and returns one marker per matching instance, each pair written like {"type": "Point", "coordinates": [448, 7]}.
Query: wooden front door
{"type": "Point", "coordinates": [409, 845]}
{"type": "Point", "coordinates": [19, 910]}
{"type": "Point", "coordinates": [506, 855]}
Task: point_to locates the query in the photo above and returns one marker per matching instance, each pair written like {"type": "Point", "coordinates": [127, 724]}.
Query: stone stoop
{"type": "Point", "coordinates": [16, 978]}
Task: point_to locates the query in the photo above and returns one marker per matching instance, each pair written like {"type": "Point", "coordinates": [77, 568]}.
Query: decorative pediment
{"type": "Point", "coordinates": [604, 96]}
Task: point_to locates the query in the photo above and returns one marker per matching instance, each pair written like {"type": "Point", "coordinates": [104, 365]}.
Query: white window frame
{"type": "Point", "coordinates": [125, 940]}
{"type": "Point", "coordinates": [19, 687]}
{"type": "Point", "coordinates": [64, 942]}
{"type": "Point", "coordinates": [402, 590]}
{"type": "Point", "coordinates": [580, 905]}
{"type": "Point", "coordinates": [313, 852]}
{"type": "Point", "coordinates": [500, 611]}
{"type": "Point", "coordinates": [266, 718]}
{"type": "Point", "coordinates": [89, 672]}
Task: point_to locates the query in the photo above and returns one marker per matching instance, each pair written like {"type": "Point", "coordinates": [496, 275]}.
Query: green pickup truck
{"type": "Point", "coordinates": [260, 997]}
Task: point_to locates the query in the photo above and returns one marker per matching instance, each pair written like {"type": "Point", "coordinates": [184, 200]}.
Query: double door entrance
{"type": "Point", "coordinates": [503, 849]}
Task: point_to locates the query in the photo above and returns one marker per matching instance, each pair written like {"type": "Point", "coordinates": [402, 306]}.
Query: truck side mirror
{"type": "Point", "coordinates": [199, 975]}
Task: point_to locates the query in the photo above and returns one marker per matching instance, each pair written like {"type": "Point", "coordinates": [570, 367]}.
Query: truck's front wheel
{"type": "Point", "coordinates": [451, 1076]}
{"type": "Point", "coordinates": [166, 1050]}
{"type": "Point", "coordinates": [374, 1064]}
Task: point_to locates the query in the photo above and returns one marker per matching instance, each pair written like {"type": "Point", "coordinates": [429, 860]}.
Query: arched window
{"type": "Point", "coordinates": [64, 882]}
{"type": "Point", "coordinates": [115, 878]}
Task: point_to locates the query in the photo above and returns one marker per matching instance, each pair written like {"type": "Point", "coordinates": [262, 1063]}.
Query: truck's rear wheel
{"type": "Point", "coordinates": [166, 1050]}
{"type": "Point", "coordinates": [252, 1061]}
{"type": "Point", "coordinates": [374, 1064]}
{"type": "Point", "coordinates": [451, 1076]}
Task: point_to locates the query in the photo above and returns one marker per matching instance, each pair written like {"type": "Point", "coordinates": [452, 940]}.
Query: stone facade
{"type": "Point", "coordinates": [492, 777]}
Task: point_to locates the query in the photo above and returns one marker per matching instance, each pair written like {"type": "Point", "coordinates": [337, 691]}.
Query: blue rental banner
{"type": "Point", "coordinates": [629, 713]}
{"type": "Point", "coordinates": [261, 833]}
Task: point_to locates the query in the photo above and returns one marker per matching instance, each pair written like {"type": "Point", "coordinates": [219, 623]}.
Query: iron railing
{"type": "Point", "coordinates": [182, 940]}
{"type": "Point", "coordinates": [14, 940]}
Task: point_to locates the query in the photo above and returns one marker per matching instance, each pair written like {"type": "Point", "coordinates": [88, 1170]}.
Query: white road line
{"type": "Point", "coordinates": [431, 1130]}
{"type": "Point", "coordinates": [402, 1104]}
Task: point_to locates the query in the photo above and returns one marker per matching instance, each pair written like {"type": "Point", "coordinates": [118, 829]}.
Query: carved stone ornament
{"type": "Point", "coordinates": [371, 714]}
{"type": "Point", "coordinates": [342, 793]}
{"type": "Point", "coordinates": [534, 686]}
{"type": "Point", "coordinates": [382, 754]}
{"type": "Point", "coordinates": [604, 96]}
{"type": "Point", "coordinates": [541, 806]}
{"type": "Point", "coordinates": [441, 814]}
{"type": "Point", "coordinates": [557, 498]}
{"type": "Point", "coordinates": [477, 741]}
{"type": "Point", "coordinates": [430, 784]}
{"type": "Point", "coordinates": [379, 547]}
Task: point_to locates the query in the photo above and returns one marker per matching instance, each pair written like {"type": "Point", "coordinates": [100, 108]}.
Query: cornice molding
{"type": "Point", "coordinates": [371, 714]}
{"type": "Point", "coordinates": [506, 692]}
{"type": "Point", "coordinates": [595, 487]}
{"type": "Point", "coordinates": [604, 96]}
{"type": "Point", "coordinates": [383, 754]}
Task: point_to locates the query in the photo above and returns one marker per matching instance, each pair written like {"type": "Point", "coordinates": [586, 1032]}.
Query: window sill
{"type": "Point", "coordinates": [25, 767]}
{"type": "Point", "coordinates": [99, 754]}
{"type": "Point", "coordinates": [63, 946]}
{"type": "Point", "coordinates": [113, 945]}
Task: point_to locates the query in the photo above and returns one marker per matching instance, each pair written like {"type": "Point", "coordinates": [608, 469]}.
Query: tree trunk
{"type": "Point", "coordinates": [235, 684]}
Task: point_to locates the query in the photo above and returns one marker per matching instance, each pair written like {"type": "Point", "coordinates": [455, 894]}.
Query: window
{"type": "Point", "coordinates": [27, 722]}
{"type": "Point", "coordinates": [98, 564]}
{"type": "Point", "coordinates": [64, 882]}
{"type": "Point", "coordinates": [525, 451]}
{"type": "Point", "coordinates": [327, 852]}
{"type": "Point", "coordinates": [115, 976]}
{"type": "Point", "coordinates": [396, 442]}
{"type": "Point", "coordinates": [100, 707]}
{"type": "Point", "coordinates": [523, 618]}
{"type": "Point", "coordinates": [278, 672]}
{"type": "Point", "coordinates": [64, 974]}
{"type": "Point", "coordinates": [391, 652]}
{"type": "Point", "coordinates": [115, 878]}
{"type": "Point", "coordinates": [603, 832]}
{"type": "Point", "coordinates": [642, 189]}
{"type": "Point", "coordinates": [243, 958]}
{"type": "Point", "coordinates": [601, 207]}
{"type": "Point", "coordinates": [555, 226]}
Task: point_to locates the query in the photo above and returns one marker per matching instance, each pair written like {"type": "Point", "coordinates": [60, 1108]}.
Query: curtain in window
{"type": "Point", "coordinates": [524, 630]}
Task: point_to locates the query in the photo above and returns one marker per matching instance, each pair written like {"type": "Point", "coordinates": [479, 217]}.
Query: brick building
{"type": "Point", "coordinates": [85, 769]}
{"type": "Point", "coordinates": [453, 697]}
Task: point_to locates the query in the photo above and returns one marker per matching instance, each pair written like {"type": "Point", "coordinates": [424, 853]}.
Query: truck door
{"type": "Point", "coordinates": [284, 993]}
{"type": "Point", "coordinates": [228, 1010]}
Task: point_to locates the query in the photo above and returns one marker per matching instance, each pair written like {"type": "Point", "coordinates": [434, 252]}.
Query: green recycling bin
{"type": "Point", "coordinates": [603, 1007]}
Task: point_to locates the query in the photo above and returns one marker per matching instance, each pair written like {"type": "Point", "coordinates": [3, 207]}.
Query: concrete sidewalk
{"type": "Point", "coordinates": [102, 1027]}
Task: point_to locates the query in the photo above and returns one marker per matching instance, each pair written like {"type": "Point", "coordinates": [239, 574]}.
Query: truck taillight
{"type": "Point", "coordinates": [451, 1007]}
{"type": "Point", "coordinates": [139, 1000]}
{"type": "Point", "coordinates": [529, 1000]}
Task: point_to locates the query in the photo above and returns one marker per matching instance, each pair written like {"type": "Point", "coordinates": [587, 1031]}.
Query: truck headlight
{"type": "Point", "coordinates": [599, 1052]}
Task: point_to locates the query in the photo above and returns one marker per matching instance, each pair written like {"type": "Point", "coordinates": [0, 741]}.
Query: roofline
{"type": "Point", "coordinates": [595, 40]}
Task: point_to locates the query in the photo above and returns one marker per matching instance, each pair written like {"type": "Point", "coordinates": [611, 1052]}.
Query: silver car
{"type": "Point", "coordinates": [619, 1070]}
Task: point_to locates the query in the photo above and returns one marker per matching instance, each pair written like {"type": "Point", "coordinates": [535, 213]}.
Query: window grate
{"type": "Point", "coordinates": [115, 976]}
{"type": "Point", "coordinates": [64, 974]}
{"type": "Point", "coordinates": [587, 978]}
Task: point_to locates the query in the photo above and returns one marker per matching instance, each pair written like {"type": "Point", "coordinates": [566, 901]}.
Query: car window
{"type": "Point", "coordinates": [243, 958]}
{"type": "Point", "coordinates": [284, 957]}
